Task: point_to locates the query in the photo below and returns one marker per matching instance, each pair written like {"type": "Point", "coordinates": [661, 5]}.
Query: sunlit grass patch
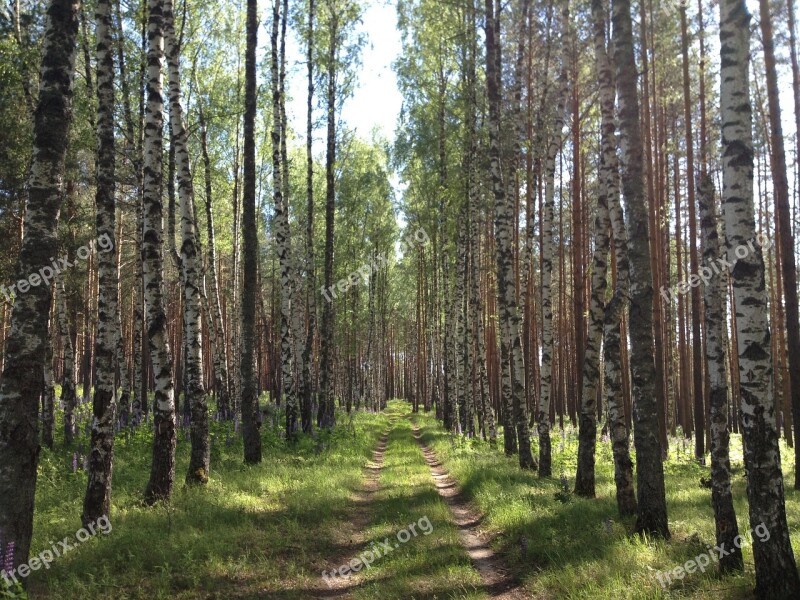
{"type": "Point", "coordinates": [433, 565]}
{"type": "Point", "coordinates": [581, 548]}
{"type": "Point", "coordinates": [250, 532]}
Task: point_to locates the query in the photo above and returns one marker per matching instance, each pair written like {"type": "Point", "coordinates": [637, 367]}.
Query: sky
{"type": "Point", "coordinates": [376, 101]}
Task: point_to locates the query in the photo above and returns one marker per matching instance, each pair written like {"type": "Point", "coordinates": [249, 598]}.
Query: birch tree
{"type": "Point", "coordinates": [283, 239]}
{"type": "Point", "coordinates": [326, 416]}
{"type": "Point", "coordinates": [22, 380]}
{"type": "Point", "coordinates": [714, 298]}
{"type": "Point", "coordinates": [162, 471]}
{"type": "Point", "coordinates": [97, 501]}
{"type": "Point", "coordinates": [548, 252]}
{"type": "Point", "coordinates": [214, 307]}
{"type": "Point", "coordinates": [776, 570]}
{"type": "Point", "coordinates": [191, 260]}
{"type": "Point", "coordinates": [68, 395]}
{"type": "Point", "coordinates": [306, 418]}
{"type": "Point", "coordinates": [587, 439]}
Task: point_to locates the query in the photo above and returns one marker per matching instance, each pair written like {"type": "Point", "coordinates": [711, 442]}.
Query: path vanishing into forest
{"type": "Point", "coordinates": [402, 470]}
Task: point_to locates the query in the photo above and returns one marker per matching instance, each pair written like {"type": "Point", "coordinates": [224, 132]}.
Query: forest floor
{"type": "Point", "coordinates": [435, 515]}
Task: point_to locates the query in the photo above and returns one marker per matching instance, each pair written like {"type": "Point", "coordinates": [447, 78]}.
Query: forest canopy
{"type": "Point", "coordinates": [421, 299]}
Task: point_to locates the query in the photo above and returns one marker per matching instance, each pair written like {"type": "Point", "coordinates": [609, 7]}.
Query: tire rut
{"type": "Point", "coordinates": [359, 520]}
{"type": "Point", "coordinates": [498, 582]}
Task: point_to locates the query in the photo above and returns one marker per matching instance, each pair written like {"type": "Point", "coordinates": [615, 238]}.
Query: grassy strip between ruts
{"type": "Point", "coordinates": [254, 532]}
{"type": "Point", "coordinates": [573, 548]}
{"type": "Point", "coordinates": [427, 565]}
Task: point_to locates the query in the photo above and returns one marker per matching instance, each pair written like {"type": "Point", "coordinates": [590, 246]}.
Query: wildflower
{"type": "Point", "coordinates": [8, 557]}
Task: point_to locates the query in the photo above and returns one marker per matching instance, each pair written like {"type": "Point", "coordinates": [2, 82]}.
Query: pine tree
{"type": "Point", "coordinates": [250, 410]}
{"type": "Point", "coordinates": [652, 507]}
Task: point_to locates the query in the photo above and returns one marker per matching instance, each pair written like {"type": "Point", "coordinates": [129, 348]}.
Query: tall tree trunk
{"type": "Point", "coordinates": [283, 241]}
{"type": "Point", "coordinates": [235, 312]}
{"type": "Point", "coordinates": [697, 358]}
{"type": "Point", "coordinates": [216, 324]}
{"type": "Point", "coordinates": [68, 395]}
{"type": "Point", "coordinates": [306, 409]}
{"type": "Point", "coordinates": [724, 513]}
{"type": "Point", "coordinates": [97, 501]}
{"type": "Point", "coordinates": [519, 397]}
{"type": "Point", "coordinates": [25, 350]}
{"type": "Point", "coordinates": [548, 252]}
{"type": "Point", "coordinates": [776, 570]}
{"type": "Point", "coordinates": [250, 424]}
{"type": "Point", "coordinates": [654, 225]}
{"type": "Point", "coordinates": [162, 473]}
{"type": "Point", "coordinates": [786, 237]}
{"type": "Point", "coordinates": [652, 509]}
{"type": "Point", "coordinates": [120, 360]}
{"type": "Point", "coordinates": [129, 404]}
{"type": "Point", "coordinates": [191, 260]}
{"type": "Point", "coordinates": [326, 416]}
{"type": "Point", "coordinates": [587, 437]}
{"type": "Point", "coordinates": [475, 307]}
{"type": "Point", "coordinates": [617, 368]}
{"type": "Point", "coordinates": [502, 226]}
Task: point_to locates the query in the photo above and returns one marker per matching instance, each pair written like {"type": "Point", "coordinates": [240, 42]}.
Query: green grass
{"type": "Point", "coordinates": [252, 532]}
{"type": "Point", "coordinates": [268, 531]}
{"type": "Point", "coordinates": [432, 565]}
{"type": "Point", "coordinates": [581, 549]}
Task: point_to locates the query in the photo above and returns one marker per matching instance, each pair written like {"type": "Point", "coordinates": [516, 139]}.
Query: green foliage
{"type": "Point", "coordinates": [428, 566]}
{"type": "Point", "coordinates": [15, 591]}
{"type": "Point", "coordinates": [251, 528]}
{"type": "Point", "coordinates": [581, 548]}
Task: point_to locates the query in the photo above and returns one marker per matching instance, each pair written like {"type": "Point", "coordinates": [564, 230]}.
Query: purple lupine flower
{"type": "Point", "coordinates": [74, 462]}
{"type": "Point", "coordinates": [8, 558]}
